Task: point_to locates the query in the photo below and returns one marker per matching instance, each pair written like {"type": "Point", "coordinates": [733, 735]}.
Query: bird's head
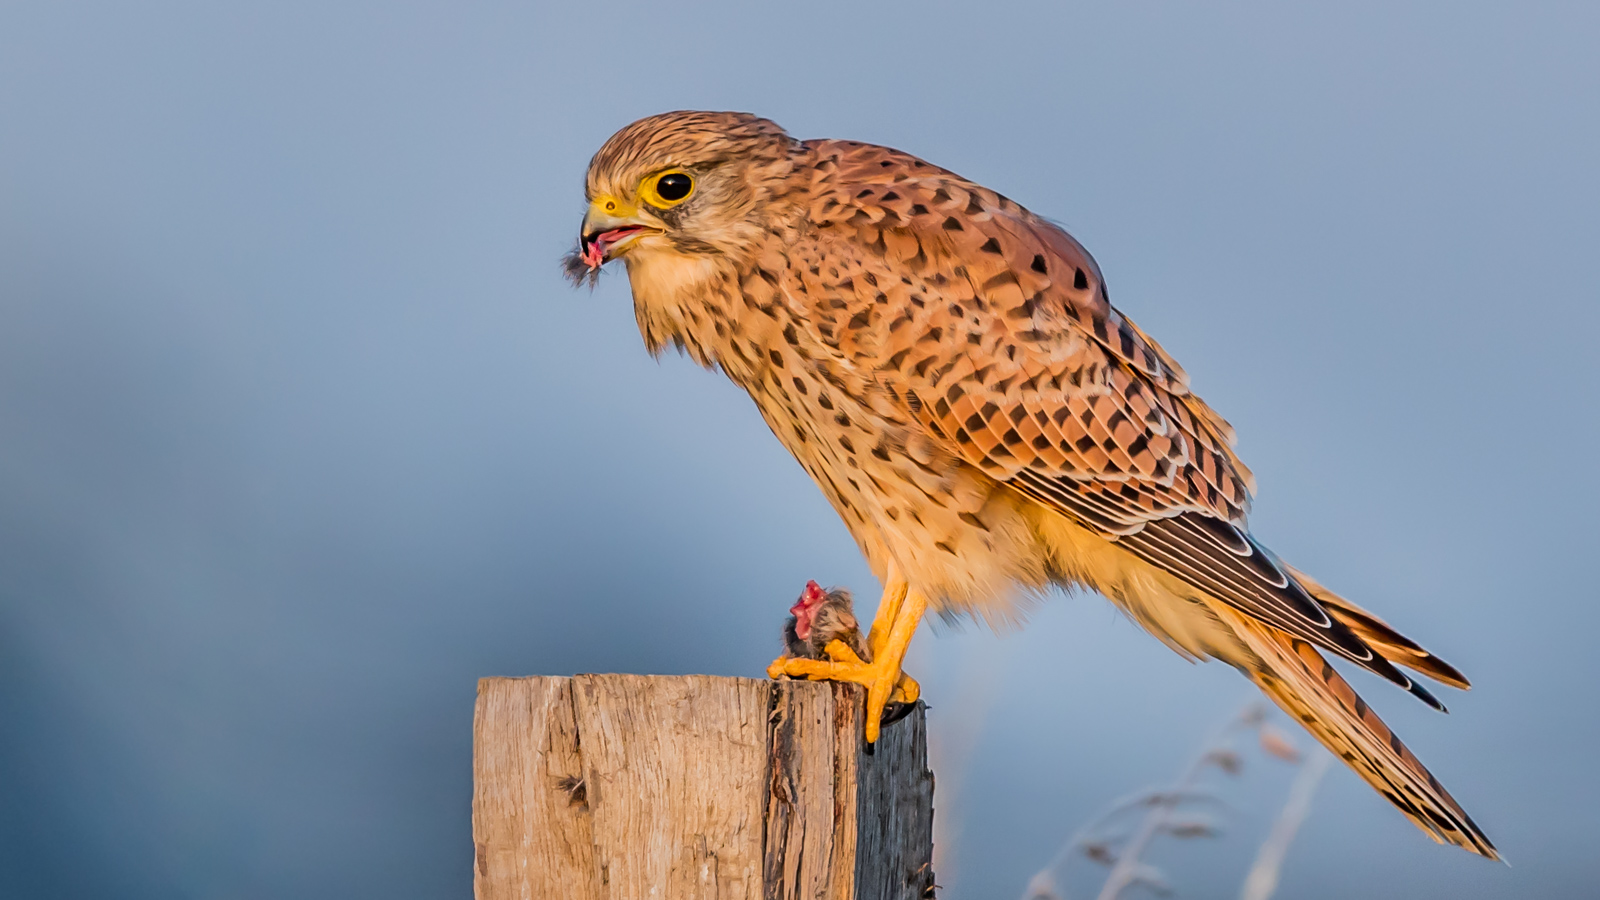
{"type": "Point", "coordinates": [692, 183]}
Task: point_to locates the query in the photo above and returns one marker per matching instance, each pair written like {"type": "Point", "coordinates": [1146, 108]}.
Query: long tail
{"type": "Point", "coordinates": [1380, 635]}
{"type": "Point", "coordinates": [1299, 680]}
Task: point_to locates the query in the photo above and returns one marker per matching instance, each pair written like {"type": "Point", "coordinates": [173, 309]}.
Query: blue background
{"type": "Point", "coordinates": [301, 432]}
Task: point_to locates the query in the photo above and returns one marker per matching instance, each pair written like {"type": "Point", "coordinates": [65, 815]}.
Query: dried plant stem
{"type": "Point", "coordinates": [1262, 879]}
{"type": "Point", "coordinates": [1128, 864]}
{"type": "Point", "coordinates": [1163, 805]}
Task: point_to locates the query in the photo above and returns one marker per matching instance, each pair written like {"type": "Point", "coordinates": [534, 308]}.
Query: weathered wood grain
{"type": "Point", "coordinates": [675, 770]}
{"type": "Point", "coordinates": [844, 823]}
{"type": "Point", "coordinates": [810, 849]}
{"type": "Point", "coordinates": [530, 821]}
{"type": "Point", "coordinates": [894, 811]}
{"type": "Point", "coordinates": [617, 787]}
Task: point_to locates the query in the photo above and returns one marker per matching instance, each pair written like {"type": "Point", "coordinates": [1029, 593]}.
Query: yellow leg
{"type": "Point", "coordinates": [894, 594]}
{"type": "Point", "coordinates": [842, 661]}
{"type": "Point", "coordinates": [906, 690]}
{"type": "Point", "coordinates": [899, 613]}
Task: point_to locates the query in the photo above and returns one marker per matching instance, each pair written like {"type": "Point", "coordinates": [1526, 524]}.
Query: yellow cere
{"type": "Point", "coordinates": [608, 207]}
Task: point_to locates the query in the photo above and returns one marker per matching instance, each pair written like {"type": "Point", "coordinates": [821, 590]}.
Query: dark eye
{"type": "Point", "coordinates": [674, 186]}
{"type": "Point", "coordinates": [667, 189]}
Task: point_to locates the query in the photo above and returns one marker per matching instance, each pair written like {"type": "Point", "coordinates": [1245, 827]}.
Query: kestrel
{"type": "Point", "coordinates": [949, 369]}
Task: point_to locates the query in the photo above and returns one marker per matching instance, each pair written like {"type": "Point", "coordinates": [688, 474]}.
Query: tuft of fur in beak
{"type": "Point", "coordinates": [578, 269]}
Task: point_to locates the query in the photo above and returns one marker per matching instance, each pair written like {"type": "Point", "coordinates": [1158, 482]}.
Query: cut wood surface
{"type": "Point", "coordinates": [616, 787]}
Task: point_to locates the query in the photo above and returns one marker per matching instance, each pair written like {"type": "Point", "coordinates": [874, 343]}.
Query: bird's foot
{"type": "Point", "coordinates": [887, 686]}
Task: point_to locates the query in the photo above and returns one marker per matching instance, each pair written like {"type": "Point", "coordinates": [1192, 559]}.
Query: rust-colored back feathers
{"type": "Point", "coordinates": [949, 369]}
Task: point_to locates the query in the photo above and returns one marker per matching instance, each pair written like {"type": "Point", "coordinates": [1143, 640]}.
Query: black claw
{"type": "Point", "coordinates": [894, 712]}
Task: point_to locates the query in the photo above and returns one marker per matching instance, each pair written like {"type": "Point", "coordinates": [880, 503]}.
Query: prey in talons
{"type": "Point", "coordinates": [823, 641]}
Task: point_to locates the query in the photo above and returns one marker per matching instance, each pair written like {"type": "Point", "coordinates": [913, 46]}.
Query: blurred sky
{"type": "Point", "coordinates": [301, 432]}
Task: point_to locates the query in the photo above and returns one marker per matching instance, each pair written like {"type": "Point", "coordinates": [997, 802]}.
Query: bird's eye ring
{"type": "Point", "coordinates": [667, 189]}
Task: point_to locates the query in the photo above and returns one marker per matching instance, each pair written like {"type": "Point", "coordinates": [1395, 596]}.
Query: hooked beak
{"type": "Point", "coordinates": [609, 227]}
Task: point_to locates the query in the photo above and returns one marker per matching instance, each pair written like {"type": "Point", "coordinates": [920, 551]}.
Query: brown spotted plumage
{"type": "Point", "coordinates": [949, 369]}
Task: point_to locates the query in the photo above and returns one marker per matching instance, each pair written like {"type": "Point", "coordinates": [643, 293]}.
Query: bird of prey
{"type": "Point", "coordinates": [948, 367]}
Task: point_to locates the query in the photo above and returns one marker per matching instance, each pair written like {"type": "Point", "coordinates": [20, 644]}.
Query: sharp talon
{"type": "Point", "coordinates": [809, 668]}
{"type": "Point", "coordinates": [894, 712]}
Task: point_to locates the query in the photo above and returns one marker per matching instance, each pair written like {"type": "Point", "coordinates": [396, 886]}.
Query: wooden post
{"type": "Point", "coordinates": [625, 787]}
